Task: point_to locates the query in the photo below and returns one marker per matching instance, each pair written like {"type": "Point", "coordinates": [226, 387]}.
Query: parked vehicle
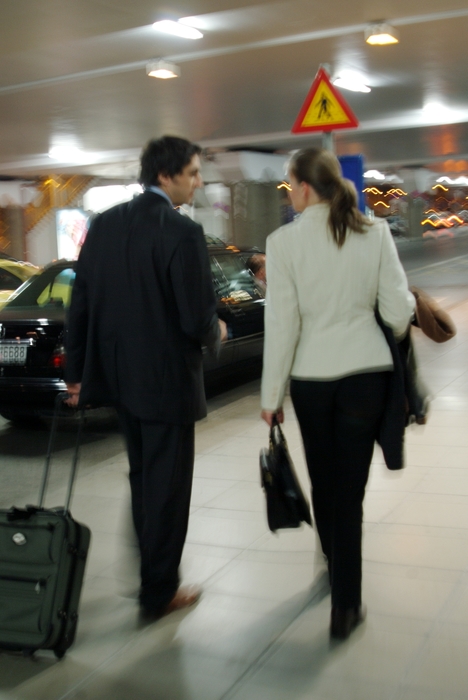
{"type": "Point", "coordinates": [398, 225]}
{"type": "Point", "coordinates": [5, 256]}
{"type": "Point", "coordinates": [32, 354]}
{"type": "Point", "coordinates": [12, 275]}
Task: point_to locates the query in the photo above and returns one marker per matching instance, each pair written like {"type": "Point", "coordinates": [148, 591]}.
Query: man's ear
{"type": "Point", "coordinates": [163, 179]}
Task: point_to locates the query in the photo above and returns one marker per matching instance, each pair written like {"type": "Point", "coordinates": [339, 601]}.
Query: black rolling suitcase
{"type": "Point", "coordinates": [42, 562]}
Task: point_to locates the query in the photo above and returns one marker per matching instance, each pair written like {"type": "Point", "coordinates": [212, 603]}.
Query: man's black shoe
{"type": "Point", "coordinates": [344, 621]}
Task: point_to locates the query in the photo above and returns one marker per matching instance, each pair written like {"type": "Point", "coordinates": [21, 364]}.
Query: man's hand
{"type": "Point", "coordinates": [223, 330]}
{"type": "Point", "coordinates": [268, 416]}
{"type": "Point", "coordinates": [74, 391]}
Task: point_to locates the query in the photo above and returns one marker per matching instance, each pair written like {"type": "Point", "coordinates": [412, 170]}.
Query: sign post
{"type": "Point", "coordinates": [327, 141]}
{"type": "Point", "coordinates": [324, 110]}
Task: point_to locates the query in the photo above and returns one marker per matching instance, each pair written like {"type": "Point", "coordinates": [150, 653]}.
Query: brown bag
{"type": "Point", "coordinates": [431, 319]}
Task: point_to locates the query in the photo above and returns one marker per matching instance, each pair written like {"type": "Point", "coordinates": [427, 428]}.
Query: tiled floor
{"type": "Point", "coordinates": [260, 631]}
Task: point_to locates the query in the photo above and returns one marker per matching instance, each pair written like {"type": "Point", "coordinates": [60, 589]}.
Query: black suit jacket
{"type": "Point", "coordinates": [142, 307]}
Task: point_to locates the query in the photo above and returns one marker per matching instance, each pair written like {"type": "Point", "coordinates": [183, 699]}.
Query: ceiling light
{"type": "Point", "coordinates": [374, 174]}
{"type": "Point", "coordinates": [196, 22]}
{"type": "Point", "coordinates": [351, 82]}
{"type": "Point", "coordinates": [436, 112]}
{"type": "Point", "coordinates": [458, 181]}
{"type": "Point", "coordinates": [162, 69]}
{"type": "Point", "coordinates": [380, 34]}
{"type": "Point", "coordinates": [66, 154]}
{"type": "Point", "coordinates": [168, 26]}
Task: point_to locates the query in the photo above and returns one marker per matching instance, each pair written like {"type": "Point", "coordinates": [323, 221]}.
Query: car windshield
{"type": "Point", "coordinates": [214, 242]}
{"type": "Point", "coordinates": [232, 280]}
{"type": "Point", "coordinates": [51, 288]}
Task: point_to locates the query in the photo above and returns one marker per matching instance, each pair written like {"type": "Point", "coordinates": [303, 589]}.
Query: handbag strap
{"type": "Point", "coordinates": [282, 439]}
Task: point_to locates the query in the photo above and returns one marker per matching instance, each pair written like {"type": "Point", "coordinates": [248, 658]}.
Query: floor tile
{"type": "Point", "coordinates": [405, 597]}
{"type": "Point", "coordinates": [304, 653]}
{"type": "Point", "coordinates": [242, 495]}
{"type": "Point", "coordinates": [441, 666]}
{"type": "Point", "coordinates": [260, 630]}
{"type": "Point", "coordinates": [215, 466]}
{"type": "Point", "coordinates": [401, 546]}
{"type": "Point", "coordinates": [223, 531]}
{"type": "Point", "coordinates": [205, 490]}
{"type": "Point", "coordinates": [267, 580]}
{"type": "Point", "coordinates": [431, 509]}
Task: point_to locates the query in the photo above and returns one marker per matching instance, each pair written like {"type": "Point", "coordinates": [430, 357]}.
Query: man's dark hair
{"type": "Point", "coordinates": [165, 156]}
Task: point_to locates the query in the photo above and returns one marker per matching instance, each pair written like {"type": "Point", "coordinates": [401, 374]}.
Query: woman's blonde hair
{"type": "Point", "coordinates": [322, 171]}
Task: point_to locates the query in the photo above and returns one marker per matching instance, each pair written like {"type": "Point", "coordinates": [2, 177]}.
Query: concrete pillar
{"type": "Point", "coordinates": [255, 213]}
{"type": "Point", "coordinates": [416, 207]}
{"type": "Point", "coordinates": [14, 231]}
{"type": "Point", "coordinates": [415, 181]}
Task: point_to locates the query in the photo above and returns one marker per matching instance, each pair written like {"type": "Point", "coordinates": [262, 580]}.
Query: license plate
{"type": "Point", "coordinates": [13, 354]}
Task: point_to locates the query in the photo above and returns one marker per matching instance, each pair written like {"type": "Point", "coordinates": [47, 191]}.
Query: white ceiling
{"type": "Point", "coordinates": [74, 70]}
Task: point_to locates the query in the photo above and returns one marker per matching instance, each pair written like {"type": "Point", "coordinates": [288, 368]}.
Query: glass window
{"type": "Point", "coordinates": [237, 282]}
{"type": "Point", "coordinates": [212, 241]}
{"type": "Point", "coordinates": [219, 281]}
{"type": "Point", "coordinates": [8, 281]}
{"type": "Point", "coordinates": [51, 288]}
{"type": "Point", "coordinates": [58, 292]}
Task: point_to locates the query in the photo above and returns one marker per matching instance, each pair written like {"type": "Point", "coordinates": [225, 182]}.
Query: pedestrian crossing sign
{"type": "Point", "coordinates": [324, 108]}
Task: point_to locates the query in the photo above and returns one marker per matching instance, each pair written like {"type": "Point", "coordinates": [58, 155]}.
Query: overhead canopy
{"type": "Point", "coordinates": [75, 72]}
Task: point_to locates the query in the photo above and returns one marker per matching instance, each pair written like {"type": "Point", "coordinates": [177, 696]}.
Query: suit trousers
{"type": "Point", "coordinates": [161, 457]}
{"type": "Point", "coordinates": [339, 422]}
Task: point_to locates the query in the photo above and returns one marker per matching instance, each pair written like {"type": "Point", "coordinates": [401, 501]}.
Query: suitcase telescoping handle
{"type": "Point", "coordinates": [53, 433]}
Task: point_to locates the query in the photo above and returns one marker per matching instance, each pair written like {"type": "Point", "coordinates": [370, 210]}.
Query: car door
{"type": "Point", "coordinates": [226, 354]}
{"type": "Point", "coordinates": [242, 303]}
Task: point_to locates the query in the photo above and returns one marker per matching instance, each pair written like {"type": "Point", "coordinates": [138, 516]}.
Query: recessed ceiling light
{"type": "Point", "coordinates": [162, 69]}
{"type": "Point", "coordinates": [351, 82]}
{"type": "Point", "coordinates": [66, 154]}
{"type": "Point", "coordinates": [168, 26]}
{"type": "Point", "coordinates": [380, 34]}
{"type": "Point", "coordinates": [195, 21]}
{"type": "Point", "coordinates": [436, 111]}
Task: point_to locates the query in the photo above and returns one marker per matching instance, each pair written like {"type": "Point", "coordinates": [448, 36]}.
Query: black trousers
{"type": "Point", "coordinates": [161, 457]}
{"type": "Point", "coordinates": [339, 421]}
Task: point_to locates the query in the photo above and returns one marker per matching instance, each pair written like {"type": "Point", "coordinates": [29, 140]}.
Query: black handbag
{"type": "Point", "coordinates": [286, 504]}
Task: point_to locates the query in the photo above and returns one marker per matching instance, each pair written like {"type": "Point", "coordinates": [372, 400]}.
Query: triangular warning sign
{"type": "Point", "coordinates": [324, 108]}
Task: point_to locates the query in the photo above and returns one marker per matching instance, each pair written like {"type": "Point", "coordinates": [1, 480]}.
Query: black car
{"type": "Point", "coordinates": [32, 355]}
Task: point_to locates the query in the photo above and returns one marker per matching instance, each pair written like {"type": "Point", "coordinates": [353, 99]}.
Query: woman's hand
{"type": "Point", "coordinates": [269, 415]}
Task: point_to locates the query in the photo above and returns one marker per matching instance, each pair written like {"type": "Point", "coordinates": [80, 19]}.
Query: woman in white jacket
{"type": "Point", "coordinates": [327, 271]}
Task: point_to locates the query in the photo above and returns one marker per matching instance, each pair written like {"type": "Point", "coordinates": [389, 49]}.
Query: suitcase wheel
{"type": "Point", "coordinates": [60, 652]}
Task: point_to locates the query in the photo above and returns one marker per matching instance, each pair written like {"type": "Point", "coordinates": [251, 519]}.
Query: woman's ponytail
{"type": "Point", "coordinates": [344, 213]}
{"type": "Point", "coordinates": [322, 171]}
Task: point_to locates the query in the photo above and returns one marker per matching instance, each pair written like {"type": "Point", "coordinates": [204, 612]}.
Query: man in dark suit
{"type": "Point", "coordinates": [142, 307]}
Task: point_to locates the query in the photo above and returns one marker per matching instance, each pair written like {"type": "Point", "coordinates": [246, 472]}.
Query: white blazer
{"type": "Point", "coordinates": [319, 317]}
